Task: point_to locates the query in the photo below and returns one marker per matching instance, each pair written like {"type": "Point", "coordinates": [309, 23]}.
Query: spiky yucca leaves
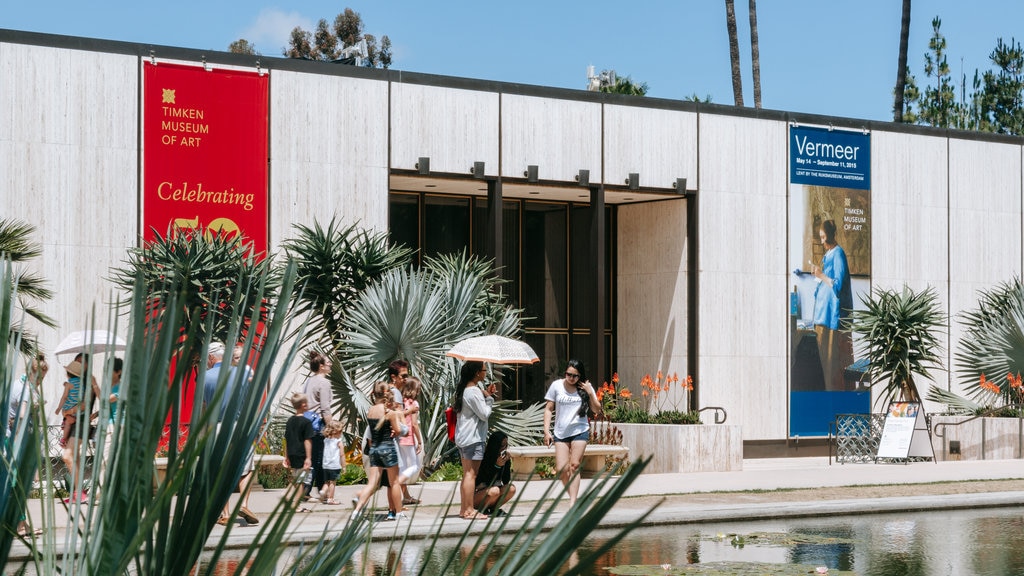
{"type": "Point", "coordinates": [898, 329]}
{"type": "Point", "coordinates": [139, 526]}
{"type": "Point", "coordinates": [992, 343]}
{"type": "Point", "coordinates": [531, 551]}
{"type": "Point", "coordinates": [334, 264]}
{"type": "Point", "coordinates": [211, 268]}
{"type": "Point", "coordinates": [18, 442]}
{"type": "Point", "coordinates": [418, 315]}
{"type": "Point", "coordinates": [17, 246]}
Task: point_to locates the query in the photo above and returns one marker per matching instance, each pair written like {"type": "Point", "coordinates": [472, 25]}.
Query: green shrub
{"type": "Point", "coordinates": [629, 414]}
{"type": "Point", "coordinates": [273, 476]}
{"type": "Point", "coordinates": [352, 474]}
{"type": "Point", "coordinates": [545, 467]}
{"type": "Point", "coordinates": [447, 472]}
{"type": "Point", "coordinates": [676, 417]}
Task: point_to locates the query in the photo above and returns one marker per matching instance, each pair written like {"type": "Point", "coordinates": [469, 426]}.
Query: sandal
{"type": "Point", "coordinates": [332, 502]}
{"type": "Point", "coordinates": [410, 500]}
{"type": "Point", "coordinates": [304, 509]}
{"type": "Point", "coordinates": [475, 516]}
{"type": "Point", "coordinates": [36, 532]}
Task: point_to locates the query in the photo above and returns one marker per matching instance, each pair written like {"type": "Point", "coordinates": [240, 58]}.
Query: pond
{"type": "Point", "coordinates": [985, 542]}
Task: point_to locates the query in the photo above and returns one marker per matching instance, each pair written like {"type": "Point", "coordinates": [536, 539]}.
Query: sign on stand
{"type": "Point", "coordinates": [905, 433]}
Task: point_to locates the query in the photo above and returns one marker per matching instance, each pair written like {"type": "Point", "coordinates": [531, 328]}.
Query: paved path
{"type": "Point", "coordinates": [679, 505]}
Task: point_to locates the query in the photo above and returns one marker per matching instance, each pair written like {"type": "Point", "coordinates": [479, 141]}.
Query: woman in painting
{"type": "Point", "coordinates": [833, 301]}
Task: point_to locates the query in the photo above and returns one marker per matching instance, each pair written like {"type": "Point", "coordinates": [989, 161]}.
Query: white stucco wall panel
{"type": "Point", "coordinates": [910, 223]}
{"type": "Point", "coordinates": [329, 155]}
{"type": "Point", "coordinates": [744, 277]}
{"type": "Point", "coordinates": [659, 145]}
{"type": "Point", "coordinates": [454, 128]}
{"type": "Point", "coordinates": [68, 166]}
{"type": "Point", "coordinates": [985, 219]}
{"type": "Point", "coordinates": [560, 137]}
{"type": "Point", "coordinates": [652, 294]}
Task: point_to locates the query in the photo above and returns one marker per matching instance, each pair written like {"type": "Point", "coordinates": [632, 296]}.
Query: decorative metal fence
{"type": "Point", "coordinates": [855, 437]}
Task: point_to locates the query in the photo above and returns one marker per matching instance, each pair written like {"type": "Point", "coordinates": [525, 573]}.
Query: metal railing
{"type": "Point", "coordinates": [940, 429]}
{"type": "Point", "coordinates": [720, 414]}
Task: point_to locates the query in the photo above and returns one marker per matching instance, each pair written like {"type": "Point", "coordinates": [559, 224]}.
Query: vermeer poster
{"type": "Point", "coordinates": [830, 272]}
{"type": "Point", "coordinates": [205, 151]}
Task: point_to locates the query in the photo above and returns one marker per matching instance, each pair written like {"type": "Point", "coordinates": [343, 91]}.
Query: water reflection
{"type": "Point", "coordinates": [986, 542]}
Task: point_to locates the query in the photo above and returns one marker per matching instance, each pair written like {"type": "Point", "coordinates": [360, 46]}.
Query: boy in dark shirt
{"type": "Point", "coordinates": [298, 438]}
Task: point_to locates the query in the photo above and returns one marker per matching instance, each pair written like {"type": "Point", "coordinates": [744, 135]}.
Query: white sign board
{"type": "Point", "coordinates": [905, 432]}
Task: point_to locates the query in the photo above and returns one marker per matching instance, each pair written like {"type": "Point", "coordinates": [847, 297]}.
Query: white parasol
{"type": "Point", "coordinates": [495, 349]}
{"type": "Point", "coordinates": [90, 341]}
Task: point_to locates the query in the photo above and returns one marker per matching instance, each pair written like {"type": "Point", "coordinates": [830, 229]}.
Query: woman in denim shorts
{"type": "Point", "coordinates": [571, 399]}
{"type": "Point", "coordinates": [473, 407]}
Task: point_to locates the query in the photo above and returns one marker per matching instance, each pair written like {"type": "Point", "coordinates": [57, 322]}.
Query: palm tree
{"type": "Point", "coordinates": [755, 53]}
{"type": "Point", "coordinates": [992, 346]}
{"type": "Point", "coordinates": [898, 330]}
{"type": "Point", "coordinates": [901, 66]}
{"type": "Point", "coordinates": [734, 53]}
{"type": "Point", "coordinates": [16, 246]}
{"type": "Point", "coordinates": [418, 315]}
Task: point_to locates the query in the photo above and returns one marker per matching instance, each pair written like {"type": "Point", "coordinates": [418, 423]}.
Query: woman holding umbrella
{"type": "Point", "coordinates": [473, 407]}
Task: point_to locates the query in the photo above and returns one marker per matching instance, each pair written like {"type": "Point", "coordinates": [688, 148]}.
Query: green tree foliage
{"type": "Point", "coordinates": [242, 46]}
{"type": "Point", "coordinates": [1002, 91]}
{"type": "Point", "coordinates": [327, 43]}
{"type": "Point", "coordinates": [996, 100]}
{"type": "Point", "coordinates": [626, 86]}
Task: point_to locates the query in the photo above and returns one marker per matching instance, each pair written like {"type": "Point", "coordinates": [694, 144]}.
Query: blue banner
{"type": "Point", "coordinates": [824, 157]}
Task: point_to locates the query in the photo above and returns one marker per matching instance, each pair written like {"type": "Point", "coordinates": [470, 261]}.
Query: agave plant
{"type": "Point", "coordinates": [334, 264]}
{"type": "Point", "coordinates": [18, 440]}
{"type": "Point", "coordinates": [16, 246]}
{"type": "Point", "coordinates": [208, 268]}
{"type": "Point", "coordinates": [898, 331]}
{"type": "Point", "coordinates": [419, 315]}
{"type": "Point", "coordinates": [991, 348]}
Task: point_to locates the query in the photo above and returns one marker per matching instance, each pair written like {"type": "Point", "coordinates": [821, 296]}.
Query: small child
{"type": "Point", "coordinates": [410, 446]}
{"type": "Point", "coordinates": [332, 460]}
{"type": "Point", "coordinates": [298, 438]}
{"type": "Point", "coordinates": [71, 399]}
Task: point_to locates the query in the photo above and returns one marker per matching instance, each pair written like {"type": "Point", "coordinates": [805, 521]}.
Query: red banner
{"type": "Point", "coordinates": [205, 150]}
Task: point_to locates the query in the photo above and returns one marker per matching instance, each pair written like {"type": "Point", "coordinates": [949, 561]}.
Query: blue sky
{"type": "Point", "coordinates": [833, 57]}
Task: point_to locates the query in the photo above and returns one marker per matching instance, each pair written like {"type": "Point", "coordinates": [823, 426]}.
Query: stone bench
{"type": "Point", "coordinates": [524, 458]}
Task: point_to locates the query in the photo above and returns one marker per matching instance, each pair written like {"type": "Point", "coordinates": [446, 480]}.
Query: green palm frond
{"type": "Point", "coordinates": [210, 268]}
{"type": "Point", "coordinates": [15, 243]}
{"type": "Point", "coordinates": [418, 315]}
{"type": "Point", "coordinates": [992, 343]}
{"type": "Point", "coordinates": [898, 331]}
{"type": "Point", "coordinates": [334, 264]}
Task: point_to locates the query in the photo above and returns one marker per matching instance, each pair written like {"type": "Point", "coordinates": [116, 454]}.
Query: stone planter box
{"type": "Point", "coordinates": [978, 438]}
{"type": "Point", "coordinates": [685, 448]}
{"type": "Point", "coordinates": [160, 465]}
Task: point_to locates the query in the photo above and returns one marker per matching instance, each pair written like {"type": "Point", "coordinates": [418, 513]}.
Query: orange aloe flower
{"type": "Point", "coordinates": [615, 377]}
{"type": "Point", "coordinates": [645, 392]}
{"type": "Point", "coordinates": [625, 393]}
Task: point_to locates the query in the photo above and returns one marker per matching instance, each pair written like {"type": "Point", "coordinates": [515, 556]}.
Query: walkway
{"type": "Point", "coordinates": [690, 497]}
